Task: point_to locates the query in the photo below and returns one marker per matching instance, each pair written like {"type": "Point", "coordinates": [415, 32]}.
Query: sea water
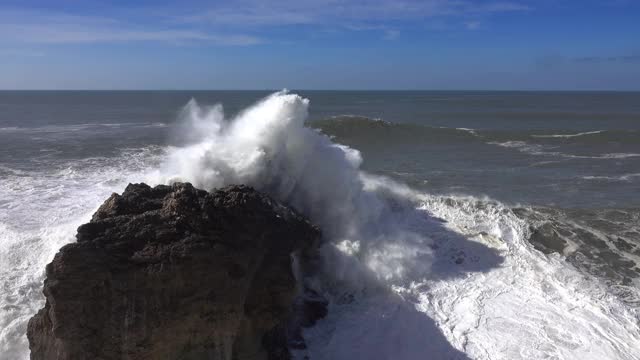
{"type": "Point", "coordinates": [433, 206]}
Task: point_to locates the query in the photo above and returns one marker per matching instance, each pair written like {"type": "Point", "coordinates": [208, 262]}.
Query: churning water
{"type": "Point", "coordinates": [456, 225]}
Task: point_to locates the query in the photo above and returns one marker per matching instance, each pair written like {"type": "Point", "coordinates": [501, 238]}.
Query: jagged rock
{"type": "Point", "coordinates": [174, 272]}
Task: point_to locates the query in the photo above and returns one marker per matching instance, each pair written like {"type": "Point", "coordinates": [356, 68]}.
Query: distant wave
{"type": "Point", "coordinates": [355, 117]}
{"type": "Point", "coordinates": [470, 131]}
{"type": "Point", "coordinates": [524, 147]}
{"type": "Point", "coordinates": [79, 127]}
{"type": "Point", "coordinates": [603, 156]}
{"type": "Point", "coordinates": [362, 131]}
{"type": "Point", "coordinates": [363, 128]}
{"type": "Point", "coordinates": [543, 150]}
{"type": "Point", "coordinates": [614, 156]}
{"type": "Point", "coordinates": [351, 120]}
{"type": "Point", "coordinates": [569, 135]}
{"type": "Point", "coordinates": [626, 136]}
{"type": "Point", "coordinates": [625, 177]}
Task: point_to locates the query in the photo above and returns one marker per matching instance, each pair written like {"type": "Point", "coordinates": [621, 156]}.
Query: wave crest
{"type": "Point", "coordinates": [269, 147]}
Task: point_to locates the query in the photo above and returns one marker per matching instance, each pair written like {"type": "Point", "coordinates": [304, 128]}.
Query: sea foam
{"type": "Point", "coordinates": [408, 274]}
{"type": "Point", "coordinates": [268, 147]}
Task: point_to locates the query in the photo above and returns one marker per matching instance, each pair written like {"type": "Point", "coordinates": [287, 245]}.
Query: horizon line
{"type": "Point", "coordinates": [345, 90]}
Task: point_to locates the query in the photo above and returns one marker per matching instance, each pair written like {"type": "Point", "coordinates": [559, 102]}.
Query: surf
{"type": "Point", "coordinates": [448, 276]}
{"type": "Point", "coordinates": [408, 274]}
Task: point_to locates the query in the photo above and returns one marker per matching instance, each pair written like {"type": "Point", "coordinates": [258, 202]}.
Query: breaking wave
{"type": "Point", "coordinates": [269, 147]}
{"type": "Point", "coordinates": [408, 274]}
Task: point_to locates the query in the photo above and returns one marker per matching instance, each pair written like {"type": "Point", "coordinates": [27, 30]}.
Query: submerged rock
{"type": "Point", "coordinates": [545, 238]}
{"type": "Point", "coordinates": [174, 272]}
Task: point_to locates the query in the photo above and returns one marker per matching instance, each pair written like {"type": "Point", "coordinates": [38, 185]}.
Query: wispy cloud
{"type": "Point", "coordinates": [249, 17]}
{"type": "Point", "coordinates": [286, 12]}
{"type": "Point", "coordinates": [388, 33]}
{"type": "Point", "coordinates": [20, 53]}
{"type": "Point", "coordinates": [472, 25]}
{"type": "Point", "coordinates": [495, 7]}
{"type": "Point", "coordinates": [608, 59]}
{"type": "Point", "coordinates": [391, 34]}
{"type": "Point", "coordinates": [234, 22]}
{"type": "Point", "coordinates": [557, 61]}
{"type": "Point", "coordinates": [61, 28]}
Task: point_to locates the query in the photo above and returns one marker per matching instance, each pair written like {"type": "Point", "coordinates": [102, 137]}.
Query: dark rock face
{"type": "Point", "coordinates": [174, 272]}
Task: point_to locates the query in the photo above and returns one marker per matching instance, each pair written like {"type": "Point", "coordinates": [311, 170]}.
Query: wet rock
{"type": "Point", "coordinates": [173, 272]}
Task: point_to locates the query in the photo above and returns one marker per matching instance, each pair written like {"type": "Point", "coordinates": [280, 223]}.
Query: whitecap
{"type": "Point", "coordinates": [624, 177]}
{"type": "Point", "coordinates": [566, 136]}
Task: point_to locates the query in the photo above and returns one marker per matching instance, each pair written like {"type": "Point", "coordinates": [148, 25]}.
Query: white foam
{"type": "Point", "coordinates": [566, 136]}
{"type": "Point", "coordinates": [542, 150]}
{"type": "Point", "coordinates": [470, 131]}
{"type": "Point", "coordinates": [80, 127]}
{"type": "Point", "coordinates": [615, 156]}
{"type": "Point", "coordinates": [625, 177]}
{"type": "Point", "coordinates": [39, 212]}
{"type": "Point", "coordinates": [533, 306]}
{"type": "Point", "coordinates": [529, 306]}
{"type": "Point", "coordinates": [268, 147]}
{"type": "Point", "coordinates": [524, 147]}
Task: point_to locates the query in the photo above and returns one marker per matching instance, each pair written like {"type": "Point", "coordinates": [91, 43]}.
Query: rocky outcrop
{"type": "Point", "coordinates": [174, 272]}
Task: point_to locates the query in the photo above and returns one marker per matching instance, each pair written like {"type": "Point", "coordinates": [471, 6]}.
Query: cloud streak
{"type": "Point", "coordinates": [608, 59]}
{"type": "Point", "coordinates": [20, 53]}
{"type": "Point", "coordinates": [286, 12]}
{"type": "Point", "coordinates": [473, 25]}
{"type": "Point", "coordinates": [232, 23]}
{"type": "Point", "coordinates": [560, 62]}
{"type": "Point", "coordinates": [60, 28]}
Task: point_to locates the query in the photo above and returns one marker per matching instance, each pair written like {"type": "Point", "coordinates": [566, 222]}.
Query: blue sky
{"type": "Point", "coordinates": [323, 44]}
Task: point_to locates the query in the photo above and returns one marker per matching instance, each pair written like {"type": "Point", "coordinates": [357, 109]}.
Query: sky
{"type": "Point", "coordinates": [321, 44]}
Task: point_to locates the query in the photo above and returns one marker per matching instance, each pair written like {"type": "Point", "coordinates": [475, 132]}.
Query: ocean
{"type": "Point", "coordinates": [465, 225]}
